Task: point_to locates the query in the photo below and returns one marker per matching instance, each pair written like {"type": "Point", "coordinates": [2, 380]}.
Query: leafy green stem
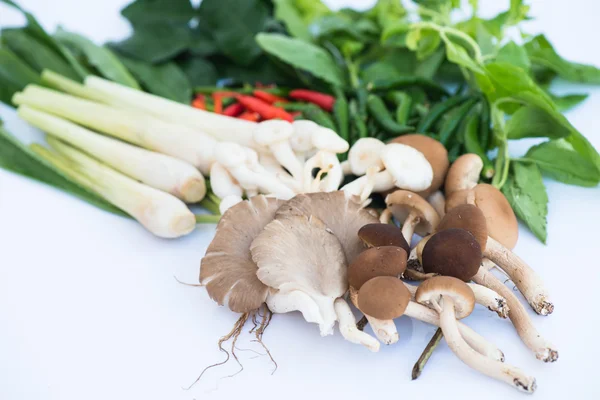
{"type": "Point", "coordinates": [444, 30]}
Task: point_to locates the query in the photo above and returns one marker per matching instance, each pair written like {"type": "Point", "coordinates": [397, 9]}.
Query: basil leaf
{"type": "Point", "coordinates": [202, 43]}
{"type": "Point", "coordinates": [103, 59]}
{"type": "Point", "coordinates": [141, 12]}
{"type": "Point", "coordinates": [568, 101]}
{"type": "Point", "coordinates": [286, 12]}
{"type": "Point", "coordinates": [514, 54]}
{"type": "Point", "coordinates": [36, 53]}
{"type": "Point", "coordinates": [14, 75]}
{"type": "Point", "coordinates": [558, 160]}
{"type": "Point", "coordinates": [541, 52]}
{"type": "Point", "coordinates": [532, 121]}
{"type": "Point", "coordinates": [233, 25]}
{"type": "Point", "coordinates": [155, 42]}
{"type": "Point", "coordinates": [18, 158]}
{"type": "Point", "coordinates": [263, 70]}
{"type": "Point", "coordinates": [199, 71]}
{"type": "Point", "coordinates": [165, 80]}
{"type": "Point", "coordinates": [526, 193]}
{"type": "Point", "coordinates": [302, 55]}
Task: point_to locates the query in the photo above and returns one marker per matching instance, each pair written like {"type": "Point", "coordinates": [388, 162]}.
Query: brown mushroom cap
{"type": "Point", "coordinates": [420, 246]}
{"type": "Point", "coordinates": [343, 216]}
{"type": "Point", "coordinates": [383, 297]}
{"type": "Point", "coordinates": [463, 174]}
{"type": "Point", "coordinates": [434, 152]}
{"type": "Point", "coordinates": [374, 235]}
{"type": "Point", "coordinates": [435, 289]}
{"type": "Point", "coordinates": [469, 218]}
{"type": "Point", "coordinates": [501, 221]}
{"type": "Point", "coordinates": [452, 252]}
{"type": "Point", "coordinates": [227, 269]}
{"type": "Point", "coordinates": [402, 202]}
{"type": "Point", "coordinates": [377, 261]}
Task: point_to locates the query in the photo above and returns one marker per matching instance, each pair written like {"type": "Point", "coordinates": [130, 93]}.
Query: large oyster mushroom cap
{"type": "Point", "coordinates": [343, 216]}
{"type": "Point", "coordinates": [227, 269]}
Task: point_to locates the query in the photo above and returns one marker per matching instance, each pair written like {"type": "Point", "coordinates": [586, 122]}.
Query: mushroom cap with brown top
{"type": "Point", "coordinates": [343, 216]}
{"type": "Point", "coordinates": [227, 269]}
{"type": "Point", "coordinates": [377, 261]}
{"type": "Point", "coordinates": [501, 221]}
{"type": "Point", "coordinates": [469, 218]}
{"type": "Point", "coordinates": [402, 203]}
{"type": "Point", "coordinates": [463, 173]}
{"type": "Point", "coordinates": [452, 252]}
{"type": "Point", "coordinates": [434, 152]}
{"type": "Point", "coordinates": [435, 289]}
{"type": "Point", "coordinates": [374, 235]}
{"type": "Point", "coordinates": [383, 297]}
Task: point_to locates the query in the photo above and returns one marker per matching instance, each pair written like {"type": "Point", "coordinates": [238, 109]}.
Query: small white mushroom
{"type": "Point", "coordinates": [301, 140]}
{"type": "Point", "coordinates": [326, 139]}
{"type": "Point", "coordinates": [275, 134]}
{"type": "Point", "coordinates": [222, 183]}
{"type": "Point", "coordinates": [365, 153]}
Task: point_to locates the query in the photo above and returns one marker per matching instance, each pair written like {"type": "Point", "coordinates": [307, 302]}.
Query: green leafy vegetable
{"type": "Point", "coordinates": [302, 55]}
{"type": "Point", "coordinates": [532, 121]}
{"type": "Point", "coordinates": [14, 75]}
{"type": "Point", "coordinates": [567, 102]}
{"type": "Point", "coordinates": [514, 54]}
{"type": "Point", "coordinates": [526, 193]}
{"type": "Point", "coordinates": [199, 71]}
{"type": "Point", "coordinates": [286, 11]}
{"type": "Point", "coordinates": [103, 59]}
{"type": "Point", "coordinates": [141, 12]}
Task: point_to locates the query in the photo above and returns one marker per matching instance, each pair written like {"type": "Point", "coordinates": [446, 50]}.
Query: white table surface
{"type": "Point", "coordinates": [90, 308]}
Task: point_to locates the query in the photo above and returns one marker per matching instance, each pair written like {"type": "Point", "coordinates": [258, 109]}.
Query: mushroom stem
{"type": "Point", "coordinates": [386, 216]}
{"type": "Point", "coordinates": [476, 341]}
{"type": "Point", "coordinates": [490, 299]}
{"type": "Point", "coordinates": [347, 325]}
{"type": "Point", "coordinates": [408, 226]}
{"type": "Point", "coordinates": [494, 369]}
{"type": "Point", "coordinates": [284, 154]}
{"type": "Point", "coordinates": [519, 317]}
{"type": "Point", "coordinates": [524, 277]}
{"type": "Point", "coordinates": [438, 202]}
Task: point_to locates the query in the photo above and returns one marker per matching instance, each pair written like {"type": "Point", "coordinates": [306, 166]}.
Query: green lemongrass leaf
{"type": "Point", "coordinates": [526, 193]}
{"type": "Point", "coordinates": [568, 101]}
{"type": "Point", "coordinates": [14, 75]}
{"type": "Point", "coordinates": [514, 54]}
{"type": "Point", "coordinates": [286, 12]}
{"type": "Point", "coordinates": [63, 84]}
{"type": "Point", "coordinates": [141, 12]}
{"type": "Point", "coordinates": [165, 80]}
{"type": "Point", "coordinates": [36, 53]}
{"type": "Point", "coordinates": [542, 53]}
{"type": "Point", "coordinates": [103, 59]}
{"type": "Point", "coordinates": [558, 160]}
{"type": "Point", "coordinates": [199, 71]}
{"type": "Point", "coordinates": [18, 158]}
{"type": "Point", "coordinates": [302, 55]}
{"type": "Point", "coordinates": [532, 121]}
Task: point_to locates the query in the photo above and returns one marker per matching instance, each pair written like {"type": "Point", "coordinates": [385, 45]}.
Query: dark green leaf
{"type": "Point", "coordinates": [303, 56]}
{"type": "Point", "coordinates": [263, 70]}
{"type": "Point", "coordinates": [558, 160]}
{"type": "Point", "coordinates": [286, 11]}
{"type": "Point", "coordinates": [36, 53]}
{"type": "Point", "coordinates": [155, 42]}
{"type": "Point", "coordinates": [14, 75]}
{"type": "Point", "coordinates": [541, 52]}
{"type": "Point", "coordinates": [165, 80]}
{"type": "Point", "coordinates": [103, 59]}
{"type": "Point", "coordinates": [568, 101]}
{"type": "Point", "coordinates": [514, 54]}
{"type": "Point", "coordinates": [202, 43]}
{"type": "Point", "coordinates": [390, 65]}
{"type": "Point", "coordinates": [427, 68]}
{"type": "Point", "coordinates": [16, 157]}
{"type": "Point", "coordinates": [233, 25]}
{"type": "Point", "coordinates": [199, 71]}
{"type": "Point", "coordinates": [141, 12]}
{"type": "Point", "coordinates": [334, 26]}
{"type": "Point", "coordinates": [532, 121]}
{"type": "Point", "coordinates": [526, 193]}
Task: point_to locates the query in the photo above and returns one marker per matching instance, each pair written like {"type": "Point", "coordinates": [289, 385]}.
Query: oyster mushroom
{"type": "Point", "coordinates": [414, 213]}
{"type": "Point", "coordinates": [275, 135]}
{"type": "Point", "coordinates": [454, 300]}
{"type": "Point", "coordinates": [365, 153]}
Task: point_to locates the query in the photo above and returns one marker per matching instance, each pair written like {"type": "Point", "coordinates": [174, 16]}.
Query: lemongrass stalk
{"type": "Point", "coordinates": [210, 206]}
{"type": "Point", "coordinates": [157, 170]}
{"type": "Point", "coordinates": [220, 127]}
{"type": "Point", "coordinates": [64, 165]}
{"type": "Point", "coordinates": [207, 219]}
{"type": "Point", "coordinates": [72, 87]}
{"type": "Point", "coordinates": [161, 213]}
{"type": "Point", "coordinates": [140, 129]}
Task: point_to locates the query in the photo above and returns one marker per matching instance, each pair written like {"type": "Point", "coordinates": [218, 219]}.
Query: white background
{"type": "Point", "coordinates": [90, 308]}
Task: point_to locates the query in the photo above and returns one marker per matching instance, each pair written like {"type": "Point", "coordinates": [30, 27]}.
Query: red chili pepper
{"type": "Point", "coordinates": [233, 110]}
{"type": "Point", "coordinates": [265, 110]}
{"type": "Point", "coordinates": [199, 102]}
{"type": "Point", "coordinates": [268, 97]}
{"type": "Point", "coordinates": [218, 102]}
{"type": "Point", "coordinates": [250, 116]}
{"type": "Point", "coordinates": [296, 114]}
{"type": "Point", "coordinates": [323, 100]}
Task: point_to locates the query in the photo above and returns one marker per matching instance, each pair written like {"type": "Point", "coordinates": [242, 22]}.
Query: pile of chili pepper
{"type": "Point", "coordinates": [383, 111]}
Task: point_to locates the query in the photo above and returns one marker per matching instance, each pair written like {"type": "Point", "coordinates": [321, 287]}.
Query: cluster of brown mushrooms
{"type": "Point", "coordinates": [317, 252]}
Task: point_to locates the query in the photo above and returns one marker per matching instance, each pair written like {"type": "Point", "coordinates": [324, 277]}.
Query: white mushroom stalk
{"type": "Point", "coordinates": [134, 127]}
{"type": "Point", "coordinates": [492, 368]}
{"type": "Point", "coordinates": [328, 163]}
{"type": "Point", "coordinates": [275, 135]}
{"type": "Point", "coordinates": [438, 202]}
{"type": "Point", "coordinates": [525, 278]}
{"type": "Point", "coordinates": [161, 213]}
{"type": "Point", "coordinates": [159, 171]}
{"type": "Point", "coordinates": [222, 183]}
{"type": "Point", "coordinates": [347, 325]}
{"type": "Point", "coordinates": [301, 140]}
{"type": "Point", "coordinates": [519, 317]}
{"type": "Point", "coordinates": [384, 330]}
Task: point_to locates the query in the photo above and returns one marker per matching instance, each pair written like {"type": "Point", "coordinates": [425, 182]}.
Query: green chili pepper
{"type": "Point", "coordinates": [438, 110]}
{"type": "Point", "coordinates": [362, 95]}
{"type": "Point", "coordinates": [472, 144]}
{"type": "Point", "coordinates": [454, 152]}
{"type": "Point", "coordinates": [455, 117]}
{"type": "Point", "coordinates": [340, 111]}
{"type": "Point", "coordinates": [404, 110]}
{"type": "Point", "coordinates": [310, 112]}
{"type": "Point", "coordinates": [485, 133]}
{"type": "Point", "coordinates": [209, 90]}
{"type": "Point", "coordinates": [359, 124]}
{"type": "Point", "coordinates": [421, 110]}
{"type": "Point", "coordinates": [432, 88]}
{"type": "Point", "coordinates": [382, 116]}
